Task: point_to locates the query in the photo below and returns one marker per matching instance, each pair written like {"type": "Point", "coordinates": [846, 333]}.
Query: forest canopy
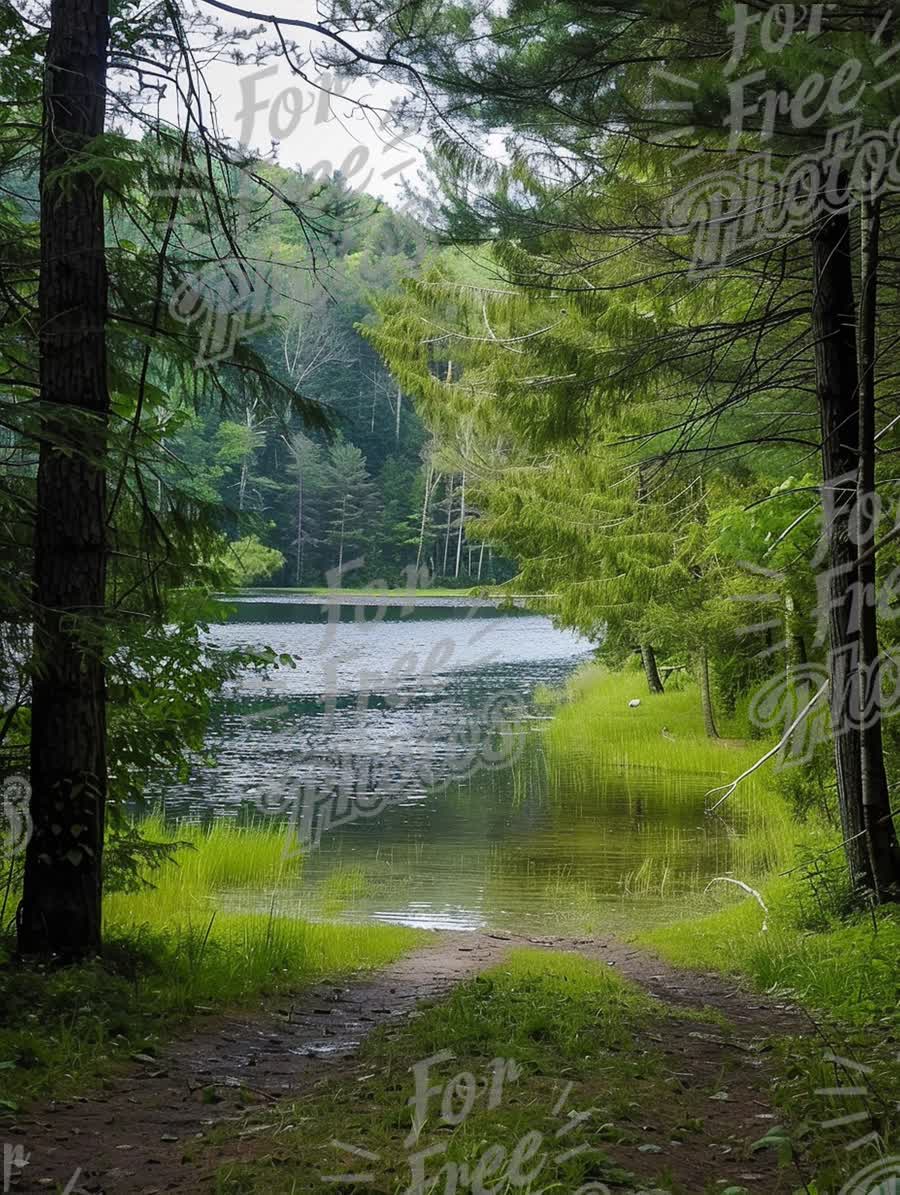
{"type": "Point", "coordinates": [624, 353]}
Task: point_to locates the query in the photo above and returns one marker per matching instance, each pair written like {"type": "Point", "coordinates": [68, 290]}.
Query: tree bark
{"type": "Point", "coordinates": [60, 912]}
{"type": "Point", "coordinates": [298, 572]}
{"type": "Point", "coordinates": [796, 644]}
{"type": "Point", "coordinates": [709, 719]}
{"type": "Point", "coordinates": [837, 388]}
{"type": "Point", "coordinates": [341, 549]}
{"type": "Point", "coordinates": [881, 837]}
{"type": "Point", "coordinates": [648, 659]}
{"type": "Point", "coordinates": [425, 501]}
{"type": "Point", "coordinates": [450, 498]}
{"type": "Point", "coordinates": [247, 459]}
{"type": "Point", "coordinates": [462, 517]}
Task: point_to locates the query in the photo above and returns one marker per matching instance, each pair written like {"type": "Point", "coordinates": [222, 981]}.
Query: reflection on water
{"type": "Point", "coordinates": [406, 751]}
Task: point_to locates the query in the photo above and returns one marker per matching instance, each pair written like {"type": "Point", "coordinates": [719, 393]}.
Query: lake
{"type": "Point", "coordinates": [405, 756]}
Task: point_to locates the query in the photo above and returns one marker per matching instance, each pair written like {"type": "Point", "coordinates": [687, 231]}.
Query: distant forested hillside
{"type": "Point", "coordinates": [300, 503]}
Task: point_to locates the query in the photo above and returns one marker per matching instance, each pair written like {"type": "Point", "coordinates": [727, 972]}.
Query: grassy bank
{"type": "Point", "coordinates": [840, 965]}
{"type": "Point", "coordinates": [172, 952]}
{"type": "Point", "coordinates": [846, 967]}
{"type": "Point", "coordinates": [326, 591]}
{"type": "Point", "coordinates": [595, 729]}
{"type": "Point", "coordinates": [595, 718]}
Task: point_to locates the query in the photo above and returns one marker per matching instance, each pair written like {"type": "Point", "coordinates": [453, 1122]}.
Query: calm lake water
{"type": "Point", "coordinates": [405, 757]}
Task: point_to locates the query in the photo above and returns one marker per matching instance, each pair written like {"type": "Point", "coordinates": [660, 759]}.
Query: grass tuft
{"type": "Point", "coordinates": [847, 970]}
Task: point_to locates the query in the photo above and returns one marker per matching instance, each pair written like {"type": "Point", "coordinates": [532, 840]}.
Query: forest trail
{"type": "Point", "coordinates": [144, 1132]}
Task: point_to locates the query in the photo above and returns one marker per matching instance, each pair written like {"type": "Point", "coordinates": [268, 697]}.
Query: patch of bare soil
{"type": "Point", "coordinates": [134, 1135]}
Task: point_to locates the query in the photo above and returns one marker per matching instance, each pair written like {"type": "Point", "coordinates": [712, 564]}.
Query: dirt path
{"type": "Point", "coordinates": [131, 1137]}
{"type": "Point", "coordinates": [710, 1061]}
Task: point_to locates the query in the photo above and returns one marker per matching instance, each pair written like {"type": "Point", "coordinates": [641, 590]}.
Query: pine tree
{"type": "Point", "coordinates": [351, 500]}
{"type": "Point", "coordinates": [581, 212]}
{"type": "Point", "coordinates": [61, 903]}
{"type": "Point", "coordinates": [309, 477]}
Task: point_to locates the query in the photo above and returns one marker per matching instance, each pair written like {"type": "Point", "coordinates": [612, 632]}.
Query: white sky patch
{"type": "Point", "coordinates": [272, 110]}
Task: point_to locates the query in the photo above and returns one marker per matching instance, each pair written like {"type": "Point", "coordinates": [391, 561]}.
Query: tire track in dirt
{"type": "Point", "coordinates": [131, 1136]}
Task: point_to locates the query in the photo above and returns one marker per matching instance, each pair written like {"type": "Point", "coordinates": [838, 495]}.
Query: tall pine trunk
{"type": "Point", "coordinates": [298, 569]}
{"type": "Point", "coordinates": [648, 659]}
{"type": "Point", "coordinates": [60, 911]}
{"type": "Point", "coordinates": [341, 549]}
{"type": "Point", "coordinates": [881, 837]}
{"type": "Point", "coordinates": [709, 717]}
{"type": "Point", "coordinates": [449, 528]}
{"type": "Point", "coordinates": [837, 388]}
{"type": "Point", "coordinates": [425, 501]}
{"type": "Point", "coordinates": [462, 519]}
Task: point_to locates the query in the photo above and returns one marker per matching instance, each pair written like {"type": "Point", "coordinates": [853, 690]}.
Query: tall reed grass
{"type": "Point", "coordinates": [595, 732]}
{"type": "Point", "coordinates": [209, 860]}
{"type": "Point", "coordinates": [215, 951]}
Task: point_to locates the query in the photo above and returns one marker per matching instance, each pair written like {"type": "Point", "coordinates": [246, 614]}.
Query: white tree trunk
{"type": "Point", "coordinates": [424, 524]}
{"type": "Point", "coordinates": [462, 515]}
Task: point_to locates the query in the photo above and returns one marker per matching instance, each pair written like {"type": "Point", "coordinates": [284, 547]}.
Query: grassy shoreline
{"type": "Point", "coordinates": [840, 966]}
{"type": "Point", "coordinates": [175, 952]}
{"type": "Point", "coordinates": [172, 953]}
{"type": "Point", "coordinates": [664, 734]}
{"type": "Point", "coordinates": [327, 591]}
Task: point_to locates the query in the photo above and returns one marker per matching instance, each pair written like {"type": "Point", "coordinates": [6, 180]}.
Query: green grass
{"type": "Point", "coordinates": [847, 969]}
{"type": "Point", "coordinates": [170, 951]}
{"type": "Point", "coordinates": [213, 857]}
{"type": "Point", "coordinates": [594, 732]}
{"type": "Point", "coordinates": [326, 591]}
{"type": "Point", "coordinates": [846, 975]}
{"type": "Point", "coordinates": [595, 718]}
{"type": "Point", "coordinates": [561, 1019]}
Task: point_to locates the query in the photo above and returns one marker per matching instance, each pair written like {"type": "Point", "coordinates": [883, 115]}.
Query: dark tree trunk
{"type": "Point", "coordinates": [837, 387]}
{"type": "Point", "coordinates": [648, 659]}
{"type": "Point", "coordinates": [881, 837]}
{"type": "Point", "coordinates": [709, 718]}
{"type": "Point", "coordinates": [60, 911]}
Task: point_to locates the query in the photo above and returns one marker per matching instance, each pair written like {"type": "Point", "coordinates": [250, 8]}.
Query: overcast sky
{"type": "Point", "coordinates": [257, 105]}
